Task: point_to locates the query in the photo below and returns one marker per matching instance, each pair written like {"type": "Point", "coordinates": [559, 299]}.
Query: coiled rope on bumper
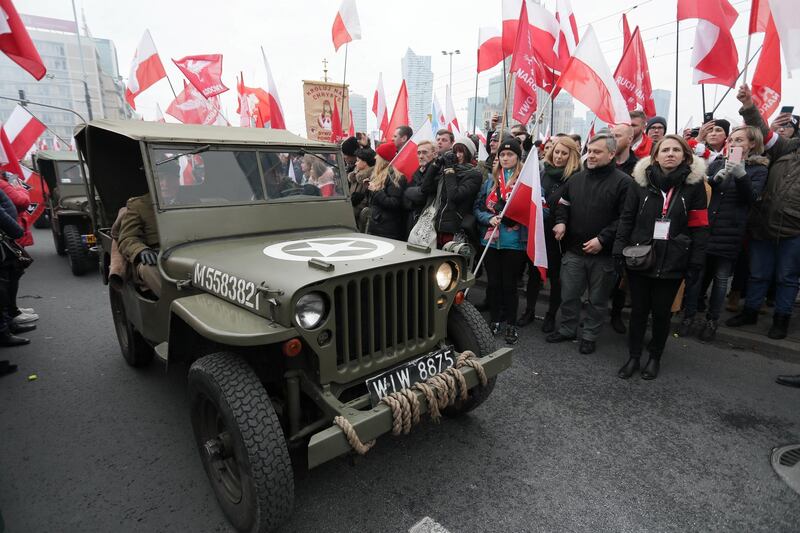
{"type": "Point", "coordinates": [440, 391]}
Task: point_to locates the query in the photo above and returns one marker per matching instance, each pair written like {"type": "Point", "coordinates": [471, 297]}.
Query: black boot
{"type": "Point", "coordinates": [651, 370]}
{"type": "Point", "coordinates": [549, 325]}
{"type": "Point", "coordinates": [527, 317]}
{"type": "Point", "coordinates": [21, 328]}
{"type": "Point", "coordinates": [745, 318]}
{"type": "Point", "coordinates": [780, 327]}
{"type": "Point", "coordinates": [629, 368]}
{"type": "Point", "coordinates": [7, 339]}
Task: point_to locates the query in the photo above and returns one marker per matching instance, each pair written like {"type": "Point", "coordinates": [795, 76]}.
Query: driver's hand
{"type": "Point", "coordinates": [148, 256]}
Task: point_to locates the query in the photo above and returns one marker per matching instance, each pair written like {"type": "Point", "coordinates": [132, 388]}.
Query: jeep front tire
{"type": "Point", "coordinates": [241, 443]}
{"type": "Point", "coordinates": [80, 261]}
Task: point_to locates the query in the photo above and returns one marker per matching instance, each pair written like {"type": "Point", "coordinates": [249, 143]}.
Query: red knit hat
{"type": "Point", "coordinates": [387, 151]}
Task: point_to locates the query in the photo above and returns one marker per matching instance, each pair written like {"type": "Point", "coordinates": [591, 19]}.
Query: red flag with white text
{"type": "Point", "coordinates": [204, 72]}
{"type": "Point", "coordinates": [191, 107]}
{"type": "Point", "coordinates": [766, 84]}
{"type": "Point", "coordinates": [524, 67]}
{"type": "Point", "coordinates": [633, 77]}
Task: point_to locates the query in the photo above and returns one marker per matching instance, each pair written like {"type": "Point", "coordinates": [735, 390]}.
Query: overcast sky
{"type": "Point", "coordinates": [296, 36]}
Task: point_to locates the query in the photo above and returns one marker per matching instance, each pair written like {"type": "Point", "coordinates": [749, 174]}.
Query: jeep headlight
{"type": "Point", "coordinates": [445, 275]}
{"type": "Point", "coordinates": [310, 310]}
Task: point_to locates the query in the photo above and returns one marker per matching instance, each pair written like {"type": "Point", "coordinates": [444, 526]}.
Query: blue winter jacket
{"type": "Point", "coordinates": [511, 238]}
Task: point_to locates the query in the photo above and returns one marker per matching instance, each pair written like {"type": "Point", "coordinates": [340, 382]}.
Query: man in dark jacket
{"type": "Point", "coordinates": [775, 227]}
{"type": "Point", "coordinates": [11, 231]}
{"type": "Point", "coordinates": [586, 222]}
{"type": "Point", "coordinates": [415, 200]}
{"type": "Point", "coordinates": [460, 185]}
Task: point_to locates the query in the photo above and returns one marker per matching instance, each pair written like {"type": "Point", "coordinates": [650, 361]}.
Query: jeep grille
{"type": "Point", "coordinates": [384, 315]}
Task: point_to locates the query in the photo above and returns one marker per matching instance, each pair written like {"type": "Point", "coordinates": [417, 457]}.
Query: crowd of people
{"type": "Point", "coordinates": [662, 221]}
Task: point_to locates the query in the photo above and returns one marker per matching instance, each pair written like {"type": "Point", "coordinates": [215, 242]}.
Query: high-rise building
{"type": "Point", "coordinates": [419, 80]}
{"type": "Point", "coordinates": [662, 98]}
{"type": "Point", "coordinates": [63, 86]}
{"type": "Point", "coordinates": [563, 109]}
{"type": "Point", "coordinates": [475, 108]}
{"type": "Point", "coordinates": [358, 104]}
{"type": "Point", "coordinates": [579, 126]}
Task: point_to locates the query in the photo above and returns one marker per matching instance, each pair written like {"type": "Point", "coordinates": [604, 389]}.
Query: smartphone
{"type": "Point", "coordinates": [735, 154]}
{"type": "Point", "coordinates": [708, 117]}
{"type": "Point", "coordinates": [787, 109]}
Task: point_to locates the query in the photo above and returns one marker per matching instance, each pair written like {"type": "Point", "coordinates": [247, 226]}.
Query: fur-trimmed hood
{"type": "Point", "coordinates": [697, 174]}
{"type": "Point", "coordinates": [757, 160]}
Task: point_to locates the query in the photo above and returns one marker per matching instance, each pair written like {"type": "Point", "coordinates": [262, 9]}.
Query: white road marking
{"type": "Point", "coordinates": [428, 525]}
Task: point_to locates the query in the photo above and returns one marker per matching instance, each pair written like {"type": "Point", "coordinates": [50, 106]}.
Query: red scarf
{"type": "Point", "coordinates": [505, 190]}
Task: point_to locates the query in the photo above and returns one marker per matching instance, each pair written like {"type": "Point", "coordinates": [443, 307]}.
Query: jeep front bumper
{"type": "Point", "coordinates": [372, 423]}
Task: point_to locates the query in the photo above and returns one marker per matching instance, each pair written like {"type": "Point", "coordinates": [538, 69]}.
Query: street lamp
{"type": "Point", "coordinates": [446, 53]}
{"type": "Point", "coordinates": [85, 91]}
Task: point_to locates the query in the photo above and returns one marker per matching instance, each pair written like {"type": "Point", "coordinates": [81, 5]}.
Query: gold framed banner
{"type": "Point", "coordinates": [318, 99]}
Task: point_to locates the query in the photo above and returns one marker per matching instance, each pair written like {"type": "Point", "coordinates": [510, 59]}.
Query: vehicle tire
{"type": "Point", "coordinates": [241, 443]}
{"type": "Point", "coordinates": [58, 241]}
{"type": "Point", "coordinates": [467, 330]}
{"type": "Point", "coordinates": [80, 261]}
{"type": "Point", "coordinates": [134, 348]}
{"type": "Point", "coordinates": [43, 222]}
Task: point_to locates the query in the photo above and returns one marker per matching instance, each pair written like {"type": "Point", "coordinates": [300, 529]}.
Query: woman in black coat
{"type": "Point", "coordinates": [388, 214]}
{"type": "Point", "coordinates": [735, 187]}
{"type": "Point", "coordinates": [666, 209]}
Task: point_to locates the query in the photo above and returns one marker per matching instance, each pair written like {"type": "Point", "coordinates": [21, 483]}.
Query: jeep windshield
{"type": "Point", "coordinates": [69, 172]}
{"type": "Point", "coordinates": [230, 176]}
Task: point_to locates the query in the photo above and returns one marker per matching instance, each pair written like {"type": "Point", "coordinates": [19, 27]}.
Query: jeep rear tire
{"type": "Point", "coordinates": [80, 261]}
{"type": "Point", "coordinates": [134, 348]}
{"type": "Point", "coordinates": [467, 330]}
{"type": "Point", "coordinates": [241, 443]}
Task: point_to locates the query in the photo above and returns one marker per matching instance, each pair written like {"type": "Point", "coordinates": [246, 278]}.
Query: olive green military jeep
{"type": "Point", "coordinates": [293, 325]}
{"type": "Point", "coordinates": [67, 204]}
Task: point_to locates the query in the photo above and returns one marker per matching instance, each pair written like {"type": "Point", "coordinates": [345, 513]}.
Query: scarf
{"type": "Point", "coordinates": [504, 188]}
{"type": "Point", "coordinates": [666, 181]}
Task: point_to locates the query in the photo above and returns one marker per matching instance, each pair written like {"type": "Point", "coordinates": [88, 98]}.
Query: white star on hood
{"type": "Point", "coordinates": [327, 250]}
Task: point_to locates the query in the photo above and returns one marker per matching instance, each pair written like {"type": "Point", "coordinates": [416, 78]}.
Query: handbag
{"type": "Point", "coordinates": [15, 255]}
{"type": "Point", "coordinates": [639, 257]}
{"type": "Point", "coordinates": [424, 231]}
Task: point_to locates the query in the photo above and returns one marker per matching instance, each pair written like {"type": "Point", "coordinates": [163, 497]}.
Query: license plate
{"type": "Point", "coordinates": [407, 374]}
{"type": "Point", "coordinates": [89, 240]}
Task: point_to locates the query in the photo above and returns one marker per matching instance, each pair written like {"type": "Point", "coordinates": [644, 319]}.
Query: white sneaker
{"type": "Point", "coordinates": [28, 310]}
{"type": "Point", "coordinates": [25, 318]}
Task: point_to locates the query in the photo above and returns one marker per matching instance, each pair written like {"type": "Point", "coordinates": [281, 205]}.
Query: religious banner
{"type": "Point", "coordinates": [318, 99]}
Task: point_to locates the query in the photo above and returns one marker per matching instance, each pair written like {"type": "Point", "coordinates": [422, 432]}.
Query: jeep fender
{"type": "Point", "coordinates": [203, 316]}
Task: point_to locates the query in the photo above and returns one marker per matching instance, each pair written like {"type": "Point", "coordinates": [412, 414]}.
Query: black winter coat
{"type": "Point", "coordinates": [8, 217]}
{"type": "Point", "coordinates": [388, 215]}
{"type": "Point", "coordinates": [688, 216]}
{"type": "Point", "coordinates": [590, 206]}
{"type": "Point", "coordinates": [730, 206]}
{"type": "Point", "coordinates": [461, 186]}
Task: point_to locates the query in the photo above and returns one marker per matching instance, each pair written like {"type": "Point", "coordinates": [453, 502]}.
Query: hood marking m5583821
{"type": "Point", "coordinates": [329, 249]}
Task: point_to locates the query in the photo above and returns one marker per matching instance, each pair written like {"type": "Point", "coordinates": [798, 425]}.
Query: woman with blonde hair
{"type": "Point", "coordinates": [506, 240]}
{"type": "Point", "coordinates": [562, 161]}
{"type": "Point", "coordinates": [385, 190]}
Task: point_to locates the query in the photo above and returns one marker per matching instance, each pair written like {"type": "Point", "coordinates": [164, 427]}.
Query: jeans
{"type": "Point", "coordinates": [650, 296]}
{"type": "Point", "coordinates": [718, 270]}
{"type": "Point", "coordinates": [779, 259]}
{"type": "Point", "coordinates": [503, 271]}
{"type": "Point", "coordinates": [580, 272]}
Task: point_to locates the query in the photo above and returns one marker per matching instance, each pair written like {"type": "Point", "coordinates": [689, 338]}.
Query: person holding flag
{"type": "Point", "coordinates": [505, 239]}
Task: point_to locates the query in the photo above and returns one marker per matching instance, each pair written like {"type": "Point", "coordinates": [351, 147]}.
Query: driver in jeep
{"type": "Point", "coordinates": [138, 233]}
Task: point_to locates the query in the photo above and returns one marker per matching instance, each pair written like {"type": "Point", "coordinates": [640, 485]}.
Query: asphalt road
{"type": "Point", "coordinates": [562, 444]}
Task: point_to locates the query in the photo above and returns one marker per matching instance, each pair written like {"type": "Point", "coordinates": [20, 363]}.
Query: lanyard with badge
{"type": "Point", "coordinates": [661, 229]}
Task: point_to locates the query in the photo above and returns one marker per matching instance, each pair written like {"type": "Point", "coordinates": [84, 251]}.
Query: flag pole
{"type": "Point", "coordinates": [703, 93]}
{"type": "Point", "coordinates": [170, 86]}
{"type": "Point", "coordinates": [740, 73]}
{"type": "Point", "coordinates": [677, 54]}
{"type": "Point", "coordinates": [747, 55]}
{"type": "Point", "coordinates": [344, 85]}
{"type": "Point", "coordinates": [506, 89]}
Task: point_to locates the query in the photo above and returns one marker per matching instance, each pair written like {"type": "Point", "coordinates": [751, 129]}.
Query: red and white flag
{"type": "Point", "coordinates": [191, 107]}
{"type": "Point", "coordinates": [146, 69]}
{"type": "Point", "coordinates": [483, 154]}
{"type": "Point", "coordinates": [399, 113]}
{"type": "Point", "coordinates": [490, 47]}
{"type": "Point", "coordinates": [351, 131]}
{"type": "Point", "coordinates": [16, 43]}
{"type": "Point", "coordinates": [406, 161]}
{"type": "Point", "coordinates": [42, 145]}
{"type": "Point", "coordinates": [714, 55]}
{"type": "Point", "coordinates": [337, 134]}
{"type": "Point", "coordinates": [34, 185]}
{"type": "Point", "coordinates": [633, 77]}
{"type": "Point", "coordinates": [346, 26]}
{"type": "Point", "coordinates": [159, 115]}
{"type": "Point", "coordinates": [450, 118]}
{"type": "Point", "coordinates": [526, 207]}
{"type": "Point", "coordinates": [786, 15]}
{"type": "Point", "coordinates": [589, 80]}
{"type": "Point", "coordinates": [767, 77]}
{"type": "Point", "coordinates": [525, 66]}
{"type": "Point", "coordinates": [276, 116]}
{"type": "Point", "coordinates": [568, 31]}
{"type": "Point", "coordinates": [204, 72]}
{"type": "Point", "coordinates": [759, 16]}
{"type": "Point", "coordinates": [57, 145]}
{"type": "Point", "coordinates": [253, 104]}
{"type": "Point", "coordinates": [23, 129]}
{"type": "Point", "coordinates": [379, 108]}
{"type": "Point", "coordinates": [544, 30]}
{"type": "Point", "coordinates": [186, 172]}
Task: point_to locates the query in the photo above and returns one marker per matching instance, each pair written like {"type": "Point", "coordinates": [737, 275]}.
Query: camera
{"type": "Point", "coordinates": [449, 159]}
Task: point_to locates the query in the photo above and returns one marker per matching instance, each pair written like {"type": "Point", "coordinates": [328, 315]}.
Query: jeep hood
{"type": "Point", "coordinates": [282, 261]}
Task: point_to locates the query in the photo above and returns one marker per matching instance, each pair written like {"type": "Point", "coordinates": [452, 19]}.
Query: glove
{"type": "Point", "coordinates": [720, 176]}
{"type": "Point", "coordinates": [449, 159]}
{"type": "Point", "coordinates": [148, 256]}
{"type": "Point", "coordinates": [736, 170]}
{"type": "Point", "coordinates": [619, 265]}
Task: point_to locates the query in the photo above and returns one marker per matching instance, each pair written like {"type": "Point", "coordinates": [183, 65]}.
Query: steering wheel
{"type": "Point", "coordinates": [292, 191]}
